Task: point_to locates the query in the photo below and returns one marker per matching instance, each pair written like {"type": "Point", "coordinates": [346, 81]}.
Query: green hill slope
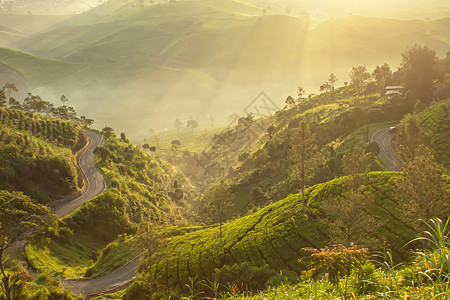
{"type": "Point", "coordinates": [43, 167]}
{"type": "Point", "coordinates": [271, 239]}
{"type": "Point", "coordinates": [93, 240]}
{"type": "Point", "coordinates": [435, 120]}
{"type": "Point", "coordinates": [36, 71]}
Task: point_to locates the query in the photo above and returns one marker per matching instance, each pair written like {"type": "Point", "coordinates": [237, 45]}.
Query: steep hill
{"type": "Point", "coordinates": [92, 240]}
{"type": "Point", "coordinates": [44, 166]}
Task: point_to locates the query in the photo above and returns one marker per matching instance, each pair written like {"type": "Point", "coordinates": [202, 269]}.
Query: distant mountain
{"type": "Point", "coordinates": [153, 62]}
{"type": "Point", "coordinates": [319, 10]}
{"type": "Point", "coordinates": [48, 7]}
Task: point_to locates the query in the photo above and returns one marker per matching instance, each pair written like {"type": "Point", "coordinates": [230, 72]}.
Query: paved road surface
{"type": "Point", "coordinates": [110, 282]}
{"type": "Point", "coordinates": [95, 184]}
{"type": "Point", "coordinates": [383, 138]}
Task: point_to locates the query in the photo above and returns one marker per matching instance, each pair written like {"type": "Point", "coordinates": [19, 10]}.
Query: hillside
{"type": "Point", "coordinates": [435, 120]}
{"type": "Point", "coordinates": [43, 167]}
{"type": "Point", "coordinates": [223, 53]}
{"type": "Point", "coordinates": [256, 247]}
{"type": "Point", "coordinates": [98, 238]}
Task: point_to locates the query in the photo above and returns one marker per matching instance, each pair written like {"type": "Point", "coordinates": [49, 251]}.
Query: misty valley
{"type": "Point", "coordinates": [224, 149]}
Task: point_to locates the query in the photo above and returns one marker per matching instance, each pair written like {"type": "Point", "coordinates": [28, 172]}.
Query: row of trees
{"type": "Point", "coordinates": [191, 123]}
{"type": "Point", "coordinates": [35, 104]}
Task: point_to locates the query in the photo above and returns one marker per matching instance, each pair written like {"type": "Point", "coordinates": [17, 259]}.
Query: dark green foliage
{"type": "Point", "coordinates": [373, 148]}
{"type": "Point", "coordinates": [42, 166]}
{"type": "Point", "coordinates": [104, 217]}
{"type": "Point", "coordinates": [419, 69]}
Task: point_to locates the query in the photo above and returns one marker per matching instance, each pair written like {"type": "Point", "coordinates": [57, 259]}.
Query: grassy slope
{"type": "Point", "coordinates": [275, 234]}
{"type": "Point", "coordinates": [436, 121]}
{"type": "Point", "coordinates": [43, 168]}
{"type": "Point", "coordinates": [325, 113]}
{"type": "Point", "coordinates": [140, 188]}
{"type": "Point", "coordinates": [37, 70]}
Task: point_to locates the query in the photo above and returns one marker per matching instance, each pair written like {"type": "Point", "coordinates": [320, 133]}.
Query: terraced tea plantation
{"type": "Point", "coordinates": [272, 238]}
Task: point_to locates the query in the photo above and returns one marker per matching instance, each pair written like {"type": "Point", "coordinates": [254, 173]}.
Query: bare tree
{"type": "Point", "coordinates": [178, 124]}
{"type": "Point", "coordinates": [304, 153]}
{"type": "Point", "coordinates": [220, 201]}
{"type": "Point", "coordinates": [356, 164]}
{"type": "Point", "coordinates": [351, 220]}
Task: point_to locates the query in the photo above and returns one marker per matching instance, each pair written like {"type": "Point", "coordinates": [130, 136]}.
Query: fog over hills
{"type": "Point", "coordinates": [138, 64]}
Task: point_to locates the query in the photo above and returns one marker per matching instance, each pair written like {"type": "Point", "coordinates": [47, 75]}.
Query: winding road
{"type": "Point", "coordinates": [94, 186]}
{"type": "Point", "coordinates": [383, 138]}
{"type": "Point", "coordinates": [108, 283]}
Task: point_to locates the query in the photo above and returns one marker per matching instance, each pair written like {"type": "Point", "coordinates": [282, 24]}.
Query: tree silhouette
{"type": "Point", "coordinates": [271, 131]}
{"type": "Point", "coordinates": [290, 102]}
{"type": "Point", "coordinates": [192, 124]}
{"type": "Point", "coordinates": [108, 130]}
{"type": "Point", "coordinates": [2, 98]}
{"type": "Point", "coordinates": [351, 221]}
{"type": "Point", "coordinates": [332, 79]}
{"type": "Point", "coordinates": [10, 87]}
{"type": "Point", "coordinates": [300, 94]}
{"type": "Point", "coordinates": [14, 104]}
{"type": "Point", "coordinates": [419, 69]}
{"type": "Point", "coordinates": [305, 157]}
{"type": "Point", "coordinates": [178, 124]}
{"type": "Point", "coordinates": [325, 87]}
{"type": "Point", "coordinates": [356, 164]}
{"type": "Point", "coordinates": [64, 99]}
{"type": "Point", "coordinates": [220, 200]}
{"type": "Point", "coordinates": [358, 76]}
{"type": "Point", "coordinates": [87, 121]}
{"type": "Point", "coordinates": [34, 104]}
{"type": "Point", "coordinates": [382, 75]}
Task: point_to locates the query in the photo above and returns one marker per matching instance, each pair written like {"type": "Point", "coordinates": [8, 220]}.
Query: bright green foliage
{"type": "Point", "coordinates": [141, 188]}
{"type": "Point", "coordinates": [43, 166]}
{"type": "Point", "coordinates": [435, 121]}
{"type": "Point", "coordinates": [149, 188]}
{"type": "Point", "coordinates": [273, 236]}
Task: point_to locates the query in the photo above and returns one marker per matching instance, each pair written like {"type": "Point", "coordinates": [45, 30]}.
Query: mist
{"type": "Point", "coordinates": [135, 65]}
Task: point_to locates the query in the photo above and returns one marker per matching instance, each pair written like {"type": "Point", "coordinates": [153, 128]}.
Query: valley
{"type": "Point", "coordinates": [224, 149]}
{"type": "Point", "coordinates": [202, 57]}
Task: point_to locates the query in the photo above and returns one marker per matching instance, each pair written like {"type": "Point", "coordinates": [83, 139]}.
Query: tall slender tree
{"type": "Point", "coordinates": [332, 79]}
{"type": "Point", "coordinates": [178, 124]}
{"type": "Point", "coordinates": [305, 157]}
{"type": "Point", "coordinates": [219, 203]}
